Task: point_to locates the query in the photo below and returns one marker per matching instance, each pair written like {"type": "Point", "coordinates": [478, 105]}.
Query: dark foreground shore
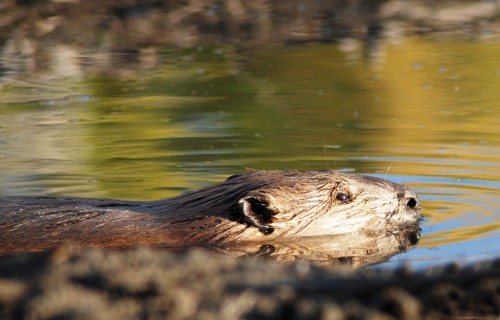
{"type": "Point", "coordinates": [152, 284]}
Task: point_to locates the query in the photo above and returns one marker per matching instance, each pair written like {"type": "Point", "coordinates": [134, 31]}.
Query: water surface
{"type": "Point", "coordinates": [415, 111]}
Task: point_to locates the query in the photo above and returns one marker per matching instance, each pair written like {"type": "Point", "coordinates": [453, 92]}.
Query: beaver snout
{"type": "Point", "coordinates": [409, 199]}
{"type": "Point", "coordinates": [409, 208]}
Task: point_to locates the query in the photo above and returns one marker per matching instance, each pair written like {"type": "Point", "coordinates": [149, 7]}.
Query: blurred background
{"type": "Point", "coordinates": [148, 99]}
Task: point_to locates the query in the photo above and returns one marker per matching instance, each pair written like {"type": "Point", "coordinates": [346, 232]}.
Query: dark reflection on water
{"type": "Point", "coordinates": [354, 250]}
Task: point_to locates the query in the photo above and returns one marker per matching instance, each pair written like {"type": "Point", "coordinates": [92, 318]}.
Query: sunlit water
{"type": "Point", "coordinates": [416, 111]}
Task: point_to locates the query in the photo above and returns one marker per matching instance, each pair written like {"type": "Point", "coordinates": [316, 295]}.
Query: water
{"type": "Point", "coordinates": [417, 111]}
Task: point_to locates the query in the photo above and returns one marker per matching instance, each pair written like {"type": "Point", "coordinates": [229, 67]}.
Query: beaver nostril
{"type": "Point", "coordinates": [412, 203]}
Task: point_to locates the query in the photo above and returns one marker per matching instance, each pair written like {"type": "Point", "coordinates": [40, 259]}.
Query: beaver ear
{"type": "Point", "coordinates": [248, 171]}
{"type": "Point", "coordinates": [234, 176]}
{"type": "Point", "coordinates": [258, 211]}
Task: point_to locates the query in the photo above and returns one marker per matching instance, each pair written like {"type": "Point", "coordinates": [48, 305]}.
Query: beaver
{"type": "Point", "coordinates": [255, 206]}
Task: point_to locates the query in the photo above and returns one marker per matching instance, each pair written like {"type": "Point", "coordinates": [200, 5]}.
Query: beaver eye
{"type": "Point", "coordinates": [342, 197]}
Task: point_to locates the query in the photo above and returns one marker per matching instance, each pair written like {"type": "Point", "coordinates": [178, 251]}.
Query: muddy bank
{"type": "Point", "coordinates": [152, 284]}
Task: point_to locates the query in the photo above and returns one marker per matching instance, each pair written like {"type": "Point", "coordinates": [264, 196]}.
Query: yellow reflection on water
{"type": "Point", "coordinates": [441, 93]}
{"type": "Point", "coordinates": [458, 235]}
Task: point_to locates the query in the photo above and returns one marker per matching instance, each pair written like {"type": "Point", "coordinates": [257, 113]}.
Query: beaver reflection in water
{"type": "Point", "coordinates": [256, 206]}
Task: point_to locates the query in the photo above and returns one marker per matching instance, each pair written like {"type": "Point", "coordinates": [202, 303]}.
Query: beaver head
{"type": "Point", "coordinates": [265, 205]}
